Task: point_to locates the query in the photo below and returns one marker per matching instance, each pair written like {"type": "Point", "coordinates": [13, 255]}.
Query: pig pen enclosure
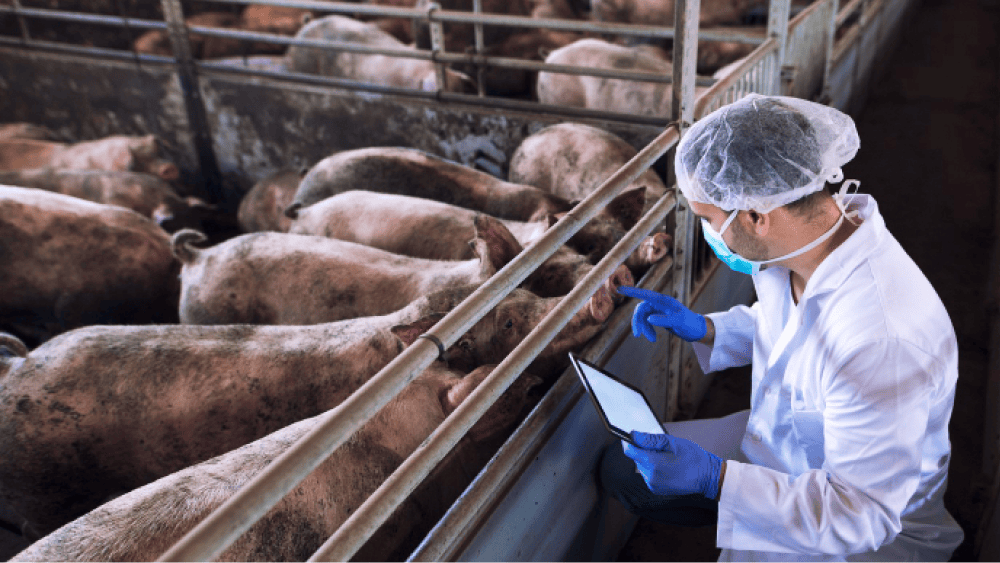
{"type": "Point", "coordinates": [227, 123]}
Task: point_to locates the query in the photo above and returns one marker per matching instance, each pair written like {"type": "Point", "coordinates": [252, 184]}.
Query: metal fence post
{"type": "Point", "coordinates": [437, 43]}
{"type": "Point", "coordinates": [831, 32]}
{"type": "Point", "coordinates": [194, 104]}
{"type": "Point", "coordinates": [25, 36]}
{"type": "Point", "coordinates": [477, 7]}
{"type": "Point", "coordinates": [686, 19]}
{"type": "Point", "coordinates": [777, 27]}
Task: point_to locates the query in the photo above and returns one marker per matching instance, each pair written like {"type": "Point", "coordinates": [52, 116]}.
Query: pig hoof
{"type": "Point", "coordinates": [181, 243]}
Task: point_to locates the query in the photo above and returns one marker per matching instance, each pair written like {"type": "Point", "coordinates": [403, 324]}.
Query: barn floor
{"type": "Point", "coordinates": [929, 147]}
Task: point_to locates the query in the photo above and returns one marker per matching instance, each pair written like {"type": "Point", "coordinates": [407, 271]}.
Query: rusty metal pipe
{"type": "Point", "coordinates": [89, 51]}
{"type": "Point", "coordinates": [84, 18]}
{"type": "Point", "coordinates": [365, 521]}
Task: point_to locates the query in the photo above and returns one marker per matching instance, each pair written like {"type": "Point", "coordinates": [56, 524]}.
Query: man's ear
{"type": "Point", "coordinates": [758, 223]}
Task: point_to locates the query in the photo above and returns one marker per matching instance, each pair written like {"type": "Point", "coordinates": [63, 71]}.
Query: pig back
{"type": "Point", "coordinates": [411, 172]}
{"type": "Point", "coordinates": [78, 262]}
{"type": "Point", "coordinates": [101, 410]}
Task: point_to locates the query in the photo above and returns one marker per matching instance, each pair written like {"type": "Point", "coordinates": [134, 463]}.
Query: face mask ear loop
{"type": "Point", "coordinates": [728, 222]}
{"type": "Point", "coordinates": [840, 199]}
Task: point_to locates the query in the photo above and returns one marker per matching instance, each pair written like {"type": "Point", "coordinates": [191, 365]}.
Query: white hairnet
{"type": "Point", "coordinates": [762, 152]}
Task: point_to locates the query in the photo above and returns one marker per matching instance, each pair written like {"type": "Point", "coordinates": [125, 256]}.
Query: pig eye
{"type": "Point", "coordinates": [465, 344]}
{"type": "Point", "coordinates": [509, 324]}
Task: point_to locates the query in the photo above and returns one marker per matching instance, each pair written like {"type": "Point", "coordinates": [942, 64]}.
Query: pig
{"type": "Point", "coordinates": [143, 193]}
{"type": "Point", "coordinates": [143, 524]}
{"type": "Point", "coordinates": [101, 410]}
{"type": "Point", "coordinates": [157, 41]}
{"type": "Point", "coordinates": [608, 94]}
{"type": "Point", "coordinates": [263, 207]}
{"type": "Point", "coordinates": [412, 172]}
{"type": "Point", "coordinates": [278, 20]}
{"type": "Point", "coordinates": [505, 42]}
{"type": "Point", "coordinates": [27, 131]}
{"type": "Point", "coordinates": [572, 160]}
{"type": "Point", "coordinates": [661, 12]}
{"type": "Point", "coordinates": [278, 278]}
{"type": "Point", "coordinates": [70, 263]}
{"type": "Point", "coordinates": [360, 216]}
{"type": "Point", "coordinates": [115, 153]}
{"type": "Point", "coordinates": [375, 69]}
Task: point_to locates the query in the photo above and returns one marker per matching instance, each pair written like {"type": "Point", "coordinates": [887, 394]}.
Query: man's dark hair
{"type": "Point", "coordinates": [808, 207]}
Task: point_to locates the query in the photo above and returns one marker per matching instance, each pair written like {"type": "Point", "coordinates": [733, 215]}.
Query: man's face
{"type": "Point", "coordinates": [737, 237]}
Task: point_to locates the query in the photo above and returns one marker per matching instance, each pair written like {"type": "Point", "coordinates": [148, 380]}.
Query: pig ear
{"type": "Point", "coordinates": [461, 388]}
{"type": "Point", "coordinates": [408, 333]}
{"type": "Point", "coordinates": [501, 246]}
{"type": "Point", "coordinates": [627, 207]}
{"type": "Point", "coordinates": [11, 345]}
{"type": "Point", "coordinates": [506, 411]}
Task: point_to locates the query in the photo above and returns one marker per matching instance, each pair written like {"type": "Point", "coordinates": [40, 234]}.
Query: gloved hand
{"type": "Point", "coordinates": [665, 311]}
{"type": "Point", "coordinates": [674, 466]}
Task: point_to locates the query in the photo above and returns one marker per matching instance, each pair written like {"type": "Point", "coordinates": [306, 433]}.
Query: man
{"type": "Point", "coordinates": [844, 453]}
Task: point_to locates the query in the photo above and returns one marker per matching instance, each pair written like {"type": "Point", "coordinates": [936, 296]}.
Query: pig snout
{"type": "Point", "coordinates": [601, 305]}
{"type": "Point", "coordinates": [166, 170]}
{"type": "Point", "coordinates": [621, 276]}
{"type": "Point", "coordinates": [292, 211]}
{"type": "Point", "coordinates": [654, 248]}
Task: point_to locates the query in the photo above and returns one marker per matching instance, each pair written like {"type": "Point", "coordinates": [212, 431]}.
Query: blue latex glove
{"type": "Point", "coordinates": [674, 466]}
{"type": "Point", "coordinates": [665, 311]}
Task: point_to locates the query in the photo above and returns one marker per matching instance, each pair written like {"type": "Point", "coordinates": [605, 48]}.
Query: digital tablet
{"type": "Point", "coordinates": [622, 407]}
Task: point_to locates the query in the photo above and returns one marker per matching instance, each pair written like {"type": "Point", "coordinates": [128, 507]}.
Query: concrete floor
{"type": "Point", "coordinates": [929, 148]}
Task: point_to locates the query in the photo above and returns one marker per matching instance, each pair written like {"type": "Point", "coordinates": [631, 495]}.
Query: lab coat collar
{"type": "Point", "coordinates": [838, 265]}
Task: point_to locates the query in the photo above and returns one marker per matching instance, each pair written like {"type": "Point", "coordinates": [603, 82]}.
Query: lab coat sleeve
{"type": "Point", "coordinates": [734, 332]}
{"type": "Point", "coordinates": [874, 420]}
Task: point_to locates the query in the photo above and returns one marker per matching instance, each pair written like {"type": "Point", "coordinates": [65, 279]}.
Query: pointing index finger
{"type": "Point", "coordinates": [638, 293]}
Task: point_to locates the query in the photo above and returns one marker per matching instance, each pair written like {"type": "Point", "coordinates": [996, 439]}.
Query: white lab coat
{"type": "Point", "coordinates": [846, 446]}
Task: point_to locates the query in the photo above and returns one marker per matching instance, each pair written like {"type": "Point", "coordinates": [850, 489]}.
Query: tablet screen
{"type": "Point", "coordinates": [625, 408]}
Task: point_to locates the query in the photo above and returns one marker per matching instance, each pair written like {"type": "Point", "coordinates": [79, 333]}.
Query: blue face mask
{"type": "Point", "coordinates": [740, 264]}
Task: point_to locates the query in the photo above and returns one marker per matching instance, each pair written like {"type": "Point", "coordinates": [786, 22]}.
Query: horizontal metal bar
{"type": "Point", "coordinates": [443, 541]}
{"type": "Point", "coordinates": [470, 58]}
{"type": "Point", "coordinates": [221, 528]}
{"type": "Point", "coordinates": [735, 35]}
{"type": "Point", "coordinates": [707, 97]}
{"type": "Point", "coordinates": [84, 18]}
{"type": "Point", "coordinates": [453, 16]}
{"type": "Point", "coordinates": [490, 102]}
{"type": "Point", "coordinates": [365, 521]}
{"type": "Point", "coordinates": [115, 54]}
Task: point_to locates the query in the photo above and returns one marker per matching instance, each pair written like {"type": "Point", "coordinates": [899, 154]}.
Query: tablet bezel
{"type": "Point", "coordinates": [597, 404]}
